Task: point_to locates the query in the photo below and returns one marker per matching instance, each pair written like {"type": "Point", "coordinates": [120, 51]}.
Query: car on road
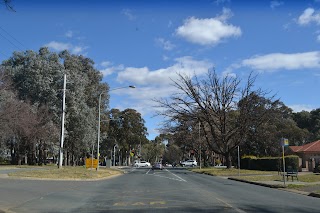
{"type": "Point", "coordinates": [141, 164]}
{"type": "Point", "coordinates": [191, 163]}
{"type": "Point", "coordinates": [157, 165]}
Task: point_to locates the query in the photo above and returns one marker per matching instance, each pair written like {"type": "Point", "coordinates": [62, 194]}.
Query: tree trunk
{"type": "Point", "coordinates": [228, 160]}
{"type": "Point", "coordinates": [26, 159]}
{"type": "Point", "coordinates": [65, 158]}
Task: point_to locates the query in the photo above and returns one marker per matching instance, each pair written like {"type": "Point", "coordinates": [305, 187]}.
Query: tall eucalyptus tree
{"type": "Point", "coordinates": [38, 79]}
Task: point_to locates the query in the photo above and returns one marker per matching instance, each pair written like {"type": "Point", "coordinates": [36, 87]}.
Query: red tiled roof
{"type": "Point", "coordinates": [309, 147]}
{"type": "Point", "coordinates": [295, 148]}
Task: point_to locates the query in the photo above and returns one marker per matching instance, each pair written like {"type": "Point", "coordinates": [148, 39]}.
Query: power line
{"type": "Point", "coordinates": [4, 54]}
{"type": "Point", "coordinates": [12, 36]}
{"type": "Point", "coordinates": [10, 41]}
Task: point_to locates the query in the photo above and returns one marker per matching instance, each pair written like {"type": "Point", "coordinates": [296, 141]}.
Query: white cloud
{"type": "Point", "coordinates": [143, 76]}
{"type": "Point", "coordinates": [128, 13]}
{"type": "Point", "coordinates": [277, 61]}
{"type": "Point", "coordinates": [69, 34]}
{"type": "Point", "coordinates": [60, 46]}
{"type": "Point", "coordinates": [301, 107]}
{"type": "Point", "coordinates": [165, 58]}
{"type": "Point", "coordinates": [210, 31]}
{"type": "Point", "coordinates": [106, 63]}
{"type": "Point", "coordinates": [222, 1]}
{"type": "Point", "coordinates": [309, 16]}
{"type": "Point", "coordinates": [226, 14]}
{"type": "Point", "coordinates": [167, 45]}
{"type": "Point", "coordinates": [77, 49]}
{"type": "Point", "coordinates": [274, 4]}
{"type": "Point", "coordinates": [110, 70]}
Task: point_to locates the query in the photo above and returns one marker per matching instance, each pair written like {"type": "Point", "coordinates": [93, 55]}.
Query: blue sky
{"type": "Point", "coordinates": [145, 43]}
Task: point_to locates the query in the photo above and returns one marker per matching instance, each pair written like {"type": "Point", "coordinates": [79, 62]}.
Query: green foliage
{"type": "Point", "coordinates": [4, 161]}
{"type": "Point", "coordinates": [249, 156]}
{"type": "Point", "coordinates": [38, 79]}
{"type": "Point", "coordinates": [152, 151]}
{"type": "Point", "coordinates": [126, 129]}
{"type": "Point", "coordinates": [269, 163]}
{"type": "Point", "coordinates": [310, 121]}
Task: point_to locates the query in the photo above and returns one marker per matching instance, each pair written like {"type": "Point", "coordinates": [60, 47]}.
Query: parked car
{"type": "Point", "coordinates": [168, 165]}
{"type": "Point", "coordinates": [191, 163]}
{"type": "Point", "coordinates": [141, 164]}
{"type": "Point", "coordinates": [157, 165]}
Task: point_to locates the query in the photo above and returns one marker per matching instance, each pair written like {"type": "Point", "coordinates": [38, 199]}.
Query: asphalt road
{"type": "Point", "coordinates": [144, 190]}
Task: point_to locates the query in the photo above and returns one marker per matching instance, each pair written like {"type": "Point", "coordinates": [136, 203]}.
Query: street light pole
{"type": "Point", "coordinates": [62, 121]}
{"type": "Point", "coordinates": [99, 114]}
{"type": "Point", "coordinates": [114, 155]}
{"type": "Point", "coordinates": [200, 145]}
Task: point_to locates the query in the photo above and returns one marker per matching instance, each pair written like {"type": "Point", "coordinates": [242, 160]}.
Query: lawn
{"type": "Point", "coordinates": [66, 172]}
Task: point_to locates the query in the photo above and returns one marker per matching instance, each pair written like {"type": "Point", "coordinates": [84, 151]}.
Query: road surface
{"type": "Point", "coordinates": [144, 190]}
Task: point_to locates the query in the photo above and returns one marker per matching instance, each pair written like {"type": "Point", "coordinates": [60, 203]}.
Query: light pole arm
{"type": "Point", "coordinates": [99, 114]}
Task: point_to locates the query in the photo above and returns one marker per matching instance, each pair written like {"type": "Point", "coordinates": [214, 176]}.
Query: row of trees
{"type": "Point", "coordinates": [216, 114]}
{"type": "Point", "coordinates": [30, 108]}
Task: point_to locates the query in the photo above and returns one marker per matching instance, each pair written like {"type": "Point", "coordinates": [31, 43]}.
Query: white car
{"type": "Point", "coordinates": [141, 164]}
{"type": "Point", "coordinates": [191, 163]}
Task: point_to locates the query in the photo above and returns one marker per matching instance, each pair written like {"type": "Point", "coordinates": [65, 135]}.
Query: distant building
{"type": "Point", "coordinates": [309, 155]}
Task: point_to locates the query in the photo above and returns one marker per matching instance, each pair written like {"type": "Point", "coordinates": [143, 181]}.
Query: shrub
{"type": "Point", "coordinates": [269, 163]}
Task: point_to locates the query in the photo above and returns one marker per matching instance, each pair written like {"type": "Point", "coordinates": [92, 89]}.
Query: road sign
{"type": "Point", "coordinates": [284, 142]}
{"type": "Point", "coordinates": [91, 163]}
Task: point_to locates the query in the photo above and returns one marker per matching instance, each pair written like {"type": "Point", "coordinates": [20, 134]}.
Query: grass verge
{"type": "Point", "coordinates": [232, 172]}
{"type": "Point", "coordinates": [307, 182]}
{"type": "Point", "coordinates": [65, 173]}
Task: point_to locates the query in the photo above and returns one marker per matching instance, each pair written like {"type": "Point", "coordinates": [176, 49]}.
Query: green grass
{"type": "Point", "coordinates": [68, 172]}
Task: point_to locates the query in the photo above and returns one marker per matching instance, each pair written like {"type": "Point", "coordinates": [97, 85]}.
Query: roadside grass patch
{"type": "Point", "coordinates": [65, 173]}
{"type": "Point", "coordinates": [232, 172]}
{"type": "Point", "coordinates": [308, 178]}
{"type": "Point", "coordinates": [255, 175]}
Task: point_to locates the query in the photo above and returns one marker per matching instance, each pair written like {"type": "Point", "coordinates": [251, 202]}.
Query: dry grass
{"type": "Point", "coordinates": [232, 172]}
{"type": "Point", "coordinates": [307, 182]}
{"type": "Point", "coordinates": [309, 178]}
{"type": "Point", "coordinates": [79, 172]}
{"type": "Point", "coordinates": [254, 175]}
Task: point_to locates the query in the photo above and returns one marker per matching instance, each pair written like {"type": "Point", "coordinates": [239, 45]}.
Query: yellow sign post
{"type": "Point", "coordinates": [91, 163]}
{"type": "Point", "coordinates": [284, 142]}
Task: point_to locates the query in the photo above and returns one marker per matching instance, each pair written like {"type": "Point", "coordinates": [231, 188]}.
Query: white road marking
{"type": "Point", "coordinates": [148, 171]}
{"type": "Point", "coordinates": [165, 177]}
{"type": "Point", "coordinates": [230, 206]}
{"type": "Point", "coordinates": [176, 176]}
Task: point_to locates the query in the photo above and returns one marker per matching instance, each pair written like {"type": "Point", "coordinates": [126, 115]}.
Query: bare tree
{"type": "Point", "coordinates": [226, 107]}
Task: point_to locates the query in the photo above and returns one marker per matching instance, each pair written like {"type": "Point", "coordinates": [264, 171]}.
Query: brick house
{"type": "Point", "coordinates": [309, 155]}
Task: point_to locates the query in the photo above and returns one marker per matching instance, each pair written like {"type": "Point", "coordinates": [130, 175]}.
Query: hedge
{"type": "Point", "coordinates": [269, 163]}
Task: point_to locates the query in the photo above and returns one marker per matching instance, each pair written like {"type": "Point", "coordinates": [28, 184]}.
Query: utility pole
{"type": "Point", "coordinates": [62, 121]}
